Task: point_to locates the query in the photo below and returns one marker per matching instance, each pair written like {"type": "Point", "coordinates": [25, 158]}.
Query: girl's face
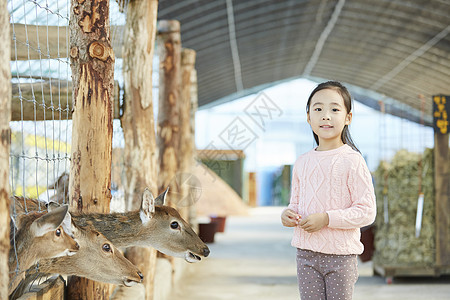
{"type": "Point", "coordinates": [327, 117]}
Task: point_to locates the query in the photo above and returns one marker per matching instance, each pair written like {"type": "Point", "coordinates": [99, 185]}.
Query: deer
{"type": "Point", "coordinates": [61, 188]}
{"type": "Point", "coordinates": [153, 225]}
{"type": "Point", "coordinates": [97, 259]}
{"type": "Point", "coordinates": [39, 237]}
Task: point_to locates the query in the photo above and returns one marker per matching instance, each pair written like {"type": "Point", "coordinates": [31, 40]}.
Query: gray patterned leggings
{"type": "Point", "coordinates": [326, 276]}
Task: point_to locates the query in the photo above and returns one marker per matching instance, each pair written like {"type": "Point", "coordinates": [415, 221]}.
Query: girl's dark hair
{"type": "Point", "coordinates": [342, 90]}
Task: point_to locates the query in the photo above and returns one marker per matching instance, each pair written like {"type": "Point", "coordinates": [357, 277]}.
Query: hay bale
{"type": "Point", "coordinates": [395, 242]}
{"type": "Point", "coordinates": [217, 197]}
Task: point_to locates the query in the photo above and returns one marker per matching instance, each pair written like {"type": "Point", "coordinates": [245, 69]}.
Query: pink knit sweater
{"type": "Point", "coordinates": [339, 183]}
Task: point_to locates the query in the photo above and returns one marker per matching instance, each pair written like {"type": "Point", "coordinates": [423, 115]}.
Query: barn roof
{"type": "Point", "coordinates": [392, 50]}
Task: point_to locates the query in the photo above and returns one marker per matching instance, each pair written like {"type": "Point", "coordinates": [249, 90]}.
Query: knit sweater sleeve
{"type": "Point", "coordinates": [363, 207]}
{"type": "Point", "coordinates": [295, 190]}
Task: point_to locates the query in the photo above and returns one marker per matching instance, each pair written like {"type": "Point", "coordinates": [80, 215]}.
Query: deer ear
{"type": "Point", "coordinates": [51, 206]}
{"type": "Point", "coordinates": [49, 221]}
{"type": "Point", "coordinates": [147, 206]}
{"type": "Point", "coordinates": [161, 199]}
{"type": "Point", "coordinates": [67, 222]}
{"type": "Point", "coordinates": [63, 179]}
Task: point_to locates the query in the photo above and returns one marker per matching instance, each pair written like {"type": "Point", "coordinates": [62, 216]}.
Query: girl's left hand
{"type": "Point", "coordinates": [314, 222]}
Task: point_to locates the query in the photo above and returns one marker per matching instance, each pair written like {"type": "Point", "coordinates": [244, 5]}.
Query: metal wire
{"type": "Point", "coordinates": [40, 66]}
{"type": "Point", "coordinates": [39, 149]}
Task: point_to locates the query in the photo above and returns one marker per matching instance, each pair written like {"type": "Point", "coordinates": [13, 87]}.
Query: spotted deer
{"type": "Point", "coordinates": [40, 236]}
{"type": "Point", "coordinates": [153, 225]}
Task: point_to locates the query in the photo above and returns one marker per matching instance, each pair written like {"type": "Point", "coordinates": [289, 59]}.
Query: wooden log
{"type": "Point", "coordinates": [37, 40]}
{"type": "Point", "coordinates": [194, 106]}
{"type": "Point", "coordinates": [5, 145]}
{"type": "Point", "coordinates": [442, 194]}
{"type": "Point", "coordinates": [51, 289]}
{"type": "Point", "coordinates": [186, 144]}
{"type": "Point", "coordinates": [92, 63]}
{"type": "Point", "coordinates": [57, 39]}
{"type": "Point", "coordinates": [169, 51]}
{"type": "Point", "coordinates": [252, 190]}
{"type": "Point", "coordinates": [57, 96]}
{"type": "Point", "coordinates": [138, 121]}
{"type": "Point", "coordinates": [185, 159]}
{"type": "Point", "coordinates": [57, 104]}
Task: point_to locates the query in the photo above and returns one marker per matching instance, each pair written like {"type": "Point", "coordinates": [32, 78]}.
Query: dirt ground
{"type": "Point", "coordinates": [253, 259]}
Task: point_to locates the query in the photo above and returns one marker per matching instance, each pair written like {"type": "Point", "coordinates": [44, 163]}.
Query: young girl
{"type": "Point", "coordinates": [332, 196]}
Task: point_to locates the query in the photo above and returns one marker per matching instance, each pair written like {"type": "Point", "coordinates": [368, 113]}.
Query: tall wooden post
{"type": "Point", "coordinates": [194, 106]}
{"type": "Point", "coordinates": [5, 143]}
{"type": "Point", "coordinates": [186, 147]}
{"type": "Point", "coordinates": [441, 125]}
{"type": "Point", "coordinates": [252, 189]}
{"type": "Point", "coordinates": [92, 63]}
{"type": "Point", "coordinates": [138, 122]}
{"type": "Point", "coordinates": [169, 48]}
{"type": "Point", "coordinates": [186, 130]}
{"type": "Point", "coordinates": [442, 198]}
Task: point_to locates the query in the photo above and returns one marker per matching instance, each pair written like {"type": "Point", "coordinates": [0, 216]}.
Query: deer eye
{"type": "Point", "coordinates": [106, 247]}
{"type": "Point", "coordinates": [58, 232]}
{"type": "Point", "coordinates": [174, 225]}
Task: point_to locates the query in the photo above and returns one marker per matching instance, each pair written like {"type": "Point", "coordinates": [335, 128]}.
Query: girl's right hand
{"type": "Point", "coordinates": [289, 218]}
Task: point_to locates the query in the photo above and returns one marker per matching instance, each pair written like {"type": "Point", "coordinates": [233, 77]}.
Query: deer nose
{"type": "Point", "coordinates": [141, 276]}
{"type": "Point", "coordinates": [206, 252]}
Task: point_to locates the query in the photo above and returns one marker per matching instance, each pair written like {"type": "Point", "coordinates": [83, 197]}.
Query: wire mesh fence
{"type": "Point", "coordinates": [40, 77]}
{"type": "Point", "coordinates": [41, 123]}
{"type": "Point", "coordinates": [40, 126]}
{"type": "Point", "coordinates": [42, 91]}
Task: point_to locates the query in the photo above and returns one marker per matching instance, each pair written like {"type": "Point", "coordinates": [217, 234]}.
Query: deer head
{"type": "Point", "coordinates": [166, 230]}
{"type": "Point", "coordinates": [98, 259]}
{"type": "Point", "coordinates": [50, 229]}
{"type": "Point", "coordinates": [153, 225]}
{"type": "Point", "coordinates": [40, 236]}
{"type": "Point", "coordinates": [61, 187]}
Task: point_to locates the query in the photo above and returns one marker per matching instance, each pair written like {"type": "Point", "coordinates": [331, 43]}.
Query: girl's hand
{"type": "Point", "coordinates": [314, 222]}
{"type": "Point", "coordinates": [289, 218]}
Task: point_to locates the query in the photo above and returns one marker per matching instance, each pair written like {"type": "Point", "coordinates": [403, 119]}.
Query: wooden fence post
{"type": "Point", "coordinates": [138, 122]}
{"type": "Point", "coordinates": [252, 190]}
{"type": "Point", "coordinates": [442, 192]}
{"type": "Point", "coordinates": [5, 143]}
{"type": "Point", "coordinates": [92, 64]}
{"type": "Point", "coordinates": [194, 106]}
{"type": "Point", "coordinates": [169, 49]}
{"type": "Point", "coordinates": [186, 146]}
{"type": "Point", "coordinates": [186, 141]}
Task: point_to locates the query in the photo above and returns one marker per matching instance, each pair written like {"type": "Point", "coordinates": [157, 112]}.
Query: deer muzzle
{"type": "Point", "coordinates": [193, 257]}
{"type": "Point", "coordinates": [128, 281]}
